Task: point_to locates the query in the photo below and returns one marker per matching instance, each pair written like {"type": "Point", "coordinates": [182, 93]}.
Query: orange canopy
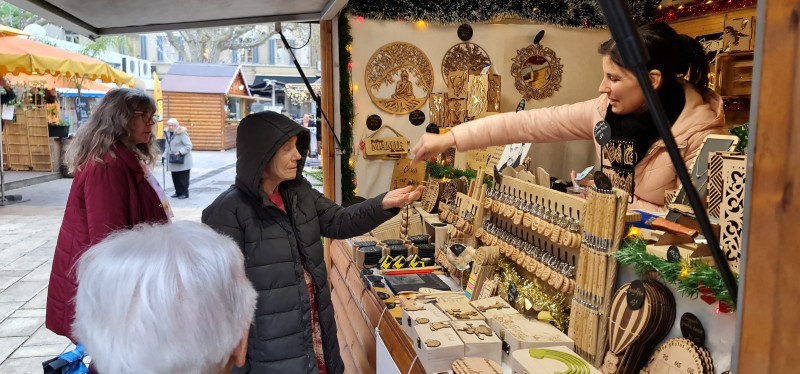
{"type": "Point", "coordinates": [50, 81]}
{"type": "Point", "coordinates": [20, 55]}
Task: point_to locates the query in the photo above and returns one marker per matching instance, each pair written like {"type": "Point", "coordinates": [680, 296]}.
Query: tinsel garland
{"type": "Point", "coordinates": [692, 278]}
{"type": "Point", "coordinates": [699, 8]}
{"type": "Point", "coordinates": [574, 13]}
{"type": "Point", "coordinates": [529, 292]}
{"type": "Point", "coordinates": [346, 109]}
{"type": "Point", "coordinates": [438, 171]}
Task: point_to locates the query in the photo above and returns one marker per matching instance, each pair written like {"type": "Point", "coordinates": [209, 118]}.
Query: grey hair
{"type": "Point", "coordinates": [111, 122]}
{"type": "Point", "coordinates": [173, 120]}
{"type": "Point", "coordinates": [170, 298]}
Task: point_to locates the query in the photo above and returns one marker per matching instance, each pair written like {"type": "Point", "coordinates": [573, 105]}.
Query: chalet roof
{"type": "Point", "coordinates": [201, 78]}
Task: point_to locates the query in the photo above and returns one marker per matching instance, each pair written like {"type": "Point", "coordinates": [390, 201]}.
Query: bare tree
{"type": "Point", "coordinates": [207, 45]}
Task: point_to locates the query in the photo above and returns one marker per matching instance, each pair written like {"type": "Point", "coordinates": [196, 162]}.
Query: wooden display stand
{"type": "Point", "coordinates": [27, 142]}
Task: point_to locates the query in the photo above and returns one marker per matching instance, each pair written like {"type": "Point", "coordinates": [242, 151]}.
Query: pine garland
{"type": "Point", "coordinates": [346, 109]}
{"type": "Point", "coordinates": [572, 13]}
{"type": "Point", "coordinates": [692, 278]}
{"type": "Point", "coordinates": [438, 171]}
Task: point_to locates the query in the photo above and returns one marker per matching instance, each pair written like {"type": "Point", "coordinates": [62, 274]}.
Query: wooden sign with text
{"type": "Point", "coordinates": [405, 174]}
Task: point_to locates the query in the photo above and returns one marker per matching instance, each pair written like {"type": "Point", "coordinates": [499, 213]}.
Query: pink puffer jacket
{"type": "Point", "coordinates": [701, 116]}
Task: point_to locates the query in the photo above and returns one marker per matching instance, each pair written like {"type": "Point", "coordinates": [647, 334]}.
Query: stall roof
{"type": "Point", "coordinates": [200, 78]}
{"type": "Point", "coordinates": [105, 17]}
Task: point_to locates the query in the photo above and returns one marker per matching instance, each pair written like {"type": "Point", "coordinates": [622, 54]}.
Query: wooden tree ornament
{"type": "Point", "coordinates": [405, 67]}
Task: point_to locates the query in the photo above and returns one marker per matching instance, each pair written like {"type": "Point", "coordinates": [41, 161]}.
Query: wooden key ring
{"type": "Point", "coordinates": [517, 218]}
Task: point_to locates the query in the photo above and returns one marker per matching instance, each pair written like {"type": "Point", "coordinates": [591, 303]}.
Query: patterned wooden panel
{"type": "Point", "coordinates": [715, 183]}
{"type": "Point", "coordinates": [732, 209]}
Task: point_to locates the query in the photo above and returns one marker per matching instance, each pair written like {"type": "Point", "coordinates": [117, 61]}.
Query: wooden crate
{"type": "Point", "coordinates": [519, 332]}
{"type": "Point", "coordinates": [39, 140]}
{"type": "Point", "coordinates": [16, 152]}
{"type": "Point", "coordinates": [416, 313]}
{"type": "Point", "coordinates": [479, 340]}
{"type": "Point", "coordinates": [27, 143]}
{"type": "Point", "coordinates": [441, 357]}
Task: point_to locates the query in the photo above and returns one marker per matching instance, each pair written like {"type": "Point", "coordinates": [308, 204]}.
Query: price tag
{"type": "Point", "coordinates": [602, 133]}
{"type": "Point", "coordinates": [692, 329]}
{"type": "Point", "coordinates": [636, 295]}
{"type": "Point", "coordinates": [465, 32]}
{"type": "Point", "coordinates": [512, 294]}
{"type": "Point", "coordinates": [521, 105]}
{"type": "Point", "coordinates": [673, 255]}
{"type": "Point", "coordinates": [416, 117]}
{"type": "Point", "coordinates": [374, 122]}
{"type": "Point", "coordinates": [432, 128]}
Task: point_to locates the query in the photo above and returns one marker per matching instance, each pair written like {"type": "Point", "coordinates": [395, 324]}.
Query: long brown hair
{"type": "Point", "coordinates": [111, 122]}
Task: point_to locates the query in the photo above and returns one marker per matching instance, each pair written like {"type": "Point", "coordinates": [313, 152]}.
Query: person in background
{"type": "Point", "coordinates": [678, 72]}
{"type": "Point", "coordinates": [178, 143]}
{"type": "Point", "coordinates": [113, 189]}
{"type": "Point", "coordinates": [6, 93]}
{"type": "Point", "coordinates": [164, 299]}
{"type": "Point", "coordinates": [277, 219]}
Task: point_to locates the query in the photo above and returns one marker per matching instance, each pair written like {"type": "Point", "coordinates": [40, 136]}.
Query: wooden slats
{"type": "Point", "coordinates": [203, 115]}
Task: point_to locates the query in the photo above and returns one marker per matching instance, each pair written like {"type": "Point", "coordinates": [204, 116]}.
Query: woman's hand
{"type": "Point", "coordinates": [431, 145]}
{"type": "Point", "coordinates": [401, 197]}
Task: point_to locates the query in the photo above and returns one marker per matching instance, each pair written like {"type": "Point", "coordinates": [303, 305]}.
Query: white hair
{"type": "Point", "coordinates": [173, 121]}
{"type": "Point", "coordinates": [170, 298]}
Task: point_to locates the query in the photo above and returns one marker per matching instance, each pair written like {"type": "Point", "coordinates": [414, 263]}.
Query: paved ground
{"type": "Point", "coordinates": [28, 233]}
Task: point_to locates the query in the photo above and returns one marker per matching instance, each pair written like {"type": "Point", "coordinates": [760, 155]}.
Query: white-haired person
{"type": "Point", "coordinates": [178, 152]}
{"type": "Point", "coordinates": [168, 298]}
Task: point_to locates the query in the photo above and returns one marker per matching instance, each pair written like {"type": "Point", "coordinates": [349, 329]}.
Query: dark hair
{"type": "Point", "coordinates": [674, 55]}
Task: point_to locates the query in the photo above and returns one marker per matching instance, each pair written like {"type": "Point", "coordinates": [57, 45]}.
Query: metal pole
{"type": "Point", "coordinates": [2, 166]}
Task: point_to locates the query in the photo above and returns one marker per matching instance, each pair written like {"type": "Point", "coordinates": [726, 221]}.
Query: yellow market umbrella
{"type": "Point", "coordinates": [20, 55]}
{"type": "Point", "coordinates": [10, 31]}
{"type": "Point", "coordinates": [158, 96]}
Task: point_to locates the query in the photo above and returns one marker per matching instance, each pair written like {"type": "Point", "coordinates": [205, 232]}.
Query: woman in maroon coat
{"type": "Point", "coordinates": [113, 189]}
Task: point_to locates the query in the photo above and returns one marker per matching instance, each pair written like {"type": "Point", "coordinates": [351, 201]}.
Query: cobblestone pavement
{"type": "Point", "coordinates": [28, 234]}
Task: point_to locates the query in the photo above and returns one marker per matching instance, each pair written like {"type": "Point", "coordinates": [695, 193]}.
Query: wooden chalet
{"type": "Point", "coordinates": [209, 100]}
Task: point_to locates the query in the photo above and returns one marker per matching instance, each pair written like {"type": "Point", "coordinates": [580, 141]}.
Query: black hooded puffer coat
{"type": "Point", "coordinates": [274, 242]}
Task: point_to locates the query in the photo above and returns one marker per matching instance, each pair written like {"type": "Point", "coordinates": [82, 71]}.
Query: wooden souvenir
{"type": "Point", "coordinates": [536, 71]}
{"type": "Point", "coordinates": [484, 266]}
{"type": "Point", "coordinates": [493, 95]}
{"type": "Point", "coordinates": [430, 197]}
{"type": "Point", "coordinates": [438, 109]}
{"type": "Point", "coordinates": [405, 174]}
{"type": "Point", "coordinates": [416, 313]}
{"type": "Point", "coordinates": [464, 56]}
{"type": "Point", "coordinates": [437, 349]}
{"type": "Point", "coordinates": [477, 94]}
{"type": "Point", "coordinates": [386, 148]}
{"type": "Point", "coordinates": [737, 34]}
{"type": "Point", "coordinates": [566, 362]}
{"type": "Point", "coordinates": [699, 169]}
{"type": "Point", "coordinates": [456, 111]}
{"type": "Point", "coordinates": [715, 179]}
{"type": "Point", "coordinates": [476, 365]}
{"type": "Point", "coordinates": [679, 356]}
{"type": "Point", "coordinates": [457, 84]}
{"type": "Point", "coordinates": [479, 158]}
{"type": "Point", "coordinates": [399, 78]}
{"type": "Point", "coordinates": [459, 310]}
{"type": "Point", "coordinates": [519, 332]}
{"type": "Point", "coordinates": [732, 209]}
{"type": "Point", "coordinates": [479, 340]}
{"type": "Point", "coordinates": [493, 307]}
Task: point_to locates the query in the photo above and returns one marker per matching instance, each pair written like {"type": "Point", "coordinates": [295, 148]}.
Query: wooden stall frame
{"type": "Point", "coordinates": [770, 295]}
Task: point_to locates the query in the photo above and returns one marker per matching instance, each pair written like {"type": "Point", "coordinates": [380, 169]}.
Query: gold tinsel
{"type": "Point", "coordinates": [531, 296]}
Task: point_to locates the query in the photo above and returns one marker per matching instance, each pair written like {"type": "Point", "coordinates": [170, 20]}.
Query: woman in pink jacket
{"type": "Point", "coordinates": [113, 189]}
{"type": "Point", "coordinates": [678, 71]}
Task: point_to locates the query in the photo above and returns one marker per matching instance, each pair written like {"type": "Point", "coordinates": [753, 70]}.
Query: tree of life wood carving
{"type": "Point", "coordinates": [399, 78]}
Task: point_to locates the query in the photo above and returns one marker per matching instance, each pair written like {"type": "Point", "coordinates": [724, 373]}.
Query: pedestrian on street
{"type": "Point", "coordinates": [177, 301]}
{"type": "Point", "coordinates": [113, 189]}
{"type": "Point", "coordinates": [178, 153]}
{"type": "Point", "coordinates": [277, 219]}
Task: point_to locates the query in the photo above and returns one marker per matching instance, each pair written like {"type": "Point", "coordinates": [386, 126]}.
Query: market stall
{"type": "Point", "coordinates": [498, 260]}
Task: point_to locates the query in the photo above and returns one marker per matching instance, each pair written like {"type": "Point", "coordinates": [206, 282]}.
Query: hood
{"type": "Point", "coordinates": [180, 130]}
{"type": "Point", "coordinates": [258, 138]}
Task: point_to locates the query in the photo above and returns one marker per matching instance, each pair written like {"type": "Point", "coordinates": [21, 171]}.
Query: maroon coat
{"type": "Point", "coordinates": [103, 198]}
